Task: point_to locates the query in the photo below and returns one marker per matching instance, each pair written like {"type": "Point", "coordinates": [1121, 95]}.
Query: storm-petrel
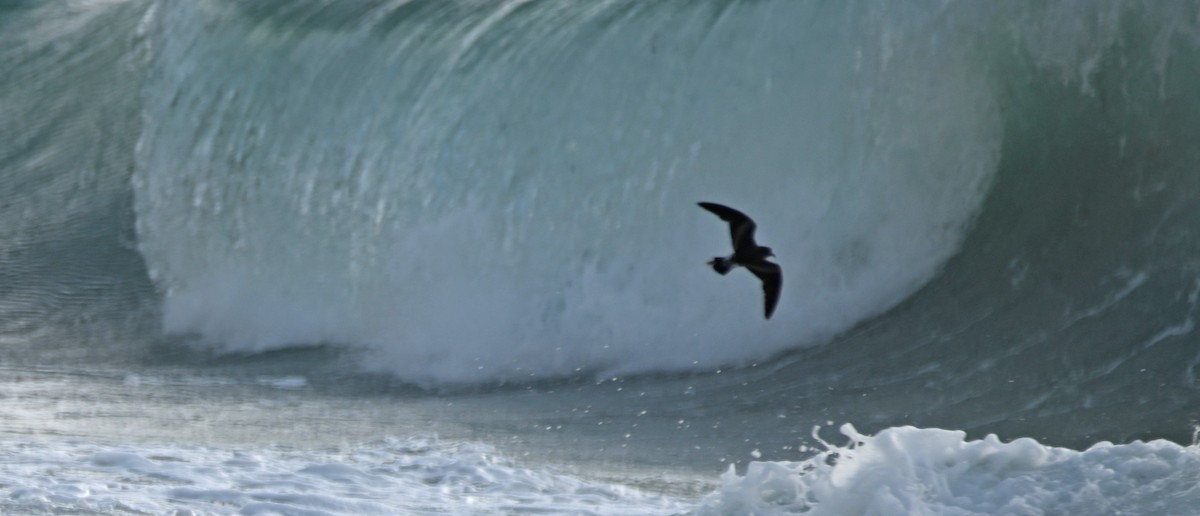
{"type": "Point", "coordinates": [747, 253]}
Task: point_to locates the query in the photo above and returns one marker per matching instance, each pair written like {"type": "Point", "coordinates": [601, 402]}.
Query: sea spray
{"type": "Point", "coordinates": [471, 195]}
{"type": "Point", "coordinates": [906, 470]}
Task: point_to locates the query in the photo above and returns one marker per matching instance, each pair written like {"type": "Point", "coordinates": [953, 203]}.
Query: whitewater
{"type": "Point", "coordinates": [444, 257]}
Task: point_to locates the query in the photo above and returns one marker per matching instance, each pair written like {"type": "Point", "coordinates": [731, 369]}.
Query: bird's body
{"type": "Point", "coordinates": [747, 253]}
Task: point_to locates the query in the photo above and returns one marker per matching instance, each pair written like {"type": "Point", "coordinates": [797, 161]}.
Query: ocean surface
{"type": "Point", "coordinates": [444, 257]}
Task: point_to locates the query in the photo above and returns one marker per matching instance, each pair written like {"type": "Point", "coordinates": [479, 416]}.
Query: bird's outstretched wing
{"type": "Point", "coordinates": [741, 227]}
{"type": "Point", "coordinates": [772, 282]}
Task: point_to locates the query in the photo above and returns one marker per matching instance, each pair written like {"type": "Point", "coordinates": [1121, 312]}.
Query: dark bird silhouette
{"type": "Point", "coordinates": [748, 254]}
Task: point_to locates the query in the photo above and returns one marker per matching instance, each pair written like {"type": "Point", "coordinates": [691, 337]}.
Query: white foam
{"type": "Point", "coordinates": [900, 471]}
{"type": "Point", "coordinates": [911, 471]}
{"type": "Point", "coordinates": [414, 476]}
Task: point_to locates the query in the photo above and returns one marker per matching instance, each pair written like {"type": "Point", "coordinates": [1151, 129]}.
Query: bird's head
{"type": "Point", "coordinates": [766, 251]}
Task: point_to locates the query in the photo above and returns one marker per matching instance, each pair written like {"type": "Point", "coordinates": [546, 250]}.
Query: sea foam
{"type": "Point", "coordinates": [913, 471]}
{"type": "Point", "coordinates": [900, 471]}
{"type": "Point", "coordinates": [397, 476]}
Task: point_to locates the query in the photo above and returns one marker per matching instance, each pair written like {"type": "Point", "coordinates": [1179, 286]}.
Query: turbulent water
{"type": "Point", "coordinates": [416, 256]}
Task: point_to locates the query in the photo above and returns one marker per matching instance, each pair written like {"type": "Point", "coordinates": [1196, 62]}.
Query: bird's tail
{"type": "Point", "coordinates": [721, 265]}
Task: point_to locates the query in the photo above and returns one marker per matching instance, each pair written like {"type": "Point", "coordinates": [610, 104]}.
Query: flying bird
{"type": "Point", "coordinates": [748, 254]}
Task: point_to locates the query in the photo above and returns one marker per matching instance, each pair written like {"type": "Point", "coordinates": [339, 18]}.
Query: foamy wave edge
{"type": "Point", "coordinates": [907, 470]}
{"type": "Point", "coordinates": [418, 475]}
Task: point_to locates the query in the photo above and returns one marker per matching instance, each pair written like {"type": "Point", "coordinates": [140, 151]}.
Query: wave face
{"type": "Point", "coordinates": [1070, 311]}
{"type": "Point", "coordinates": [475, 191]}
{"type": "Point", "coordinates": [73, 287]}
{"type": "Point", "coordinates": [963, 195]}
